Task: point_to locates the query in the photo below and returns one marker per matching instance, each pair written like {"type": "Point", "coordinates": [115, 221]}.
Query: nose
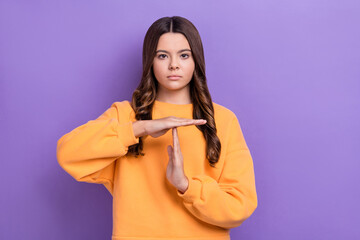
{"type": "Point", "coordinates": [173, 65]}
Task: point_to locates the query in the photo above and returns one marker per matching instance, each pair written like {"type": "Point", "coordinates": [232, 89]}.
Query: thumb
{"type": "Point", "coordinates": [170, 151]}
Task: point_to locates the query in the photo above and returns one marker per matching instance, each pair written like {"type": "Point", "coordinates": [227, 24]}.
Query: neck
{"type": "Point", "coordinates": [175, 97]}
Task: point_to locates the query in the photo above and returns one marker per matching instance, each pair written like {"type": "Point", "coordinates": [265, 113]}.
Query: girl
{"type": "Point", "coordinates": [199, 187]}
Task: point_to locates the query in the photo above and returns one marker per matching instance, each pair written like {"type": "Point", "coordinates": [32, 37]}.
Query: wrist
{"type": "Point", "coordinates": [183, 187]}
{"type": "Point", "coordinates": [139, 128]}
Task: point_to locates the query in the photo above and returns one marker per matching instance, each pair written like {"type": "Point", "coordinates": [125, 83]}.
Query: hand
{"type": "Point", "coordinates": [158, 127]}
{"type": "Point", "coordinates": [175, 168]}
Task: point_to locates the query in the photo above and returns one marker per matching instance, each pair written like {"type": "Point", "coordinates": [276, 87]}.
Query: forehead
{"type": "Point", "coordinates": [174, 41]}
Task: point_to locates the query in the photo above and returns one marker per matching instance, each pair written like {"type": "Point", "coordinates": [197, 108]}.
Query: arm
{"type": "Point", "coordinates": [233, 199]}
{"type": "Point", "coordinates": [88, 152]}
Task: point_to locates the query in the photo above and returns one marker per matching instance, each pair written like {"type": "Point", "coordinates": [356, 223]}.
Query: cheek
{"type": "Point", "coordinates": [158, 67]}
{"type": "Point", "coordinates": [189, 68]}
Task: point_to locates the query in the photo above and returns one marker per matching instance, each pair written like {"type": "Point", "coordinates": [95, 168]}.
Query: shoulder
{"type": "Point", "coordinates": [228, 126]}
{"type": "Point", "coordinates": [122, 105]}
{"type": "Point", "coordinates": [226, 121]}
{"type": "Point", "coordinates": [222, 113]}
{"type": "Point", "coordinates": [124, 110]}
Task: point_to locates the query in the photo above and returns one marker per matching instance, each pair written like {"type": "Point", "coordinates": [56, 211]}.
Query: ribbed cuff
{"type": "Point", "coordinates": [192, 192]}
{"type": "Point", "coordinates": [126, 134]}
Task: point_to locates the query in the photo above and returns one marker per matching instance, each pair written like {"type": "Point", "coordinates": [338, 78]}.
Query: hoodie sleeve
{"type": "Point", "coordinates": [232, 199]}
{"type": "Point", "coordinates": [88, 152]}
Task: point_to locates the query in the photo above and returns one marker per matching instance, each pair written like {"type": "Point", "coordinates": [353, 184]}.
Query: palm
{"type": "Point", "coordinates": [159, 133]}
{"type": "Point", "coordinates": [158, 127]}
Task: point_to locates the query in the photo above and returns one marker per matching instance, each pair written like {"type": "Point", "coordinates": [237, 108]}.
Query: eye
{"type": "Point", "coordinates": [159, 56]}
{"type": "Point", "coordinates": [185, 55]}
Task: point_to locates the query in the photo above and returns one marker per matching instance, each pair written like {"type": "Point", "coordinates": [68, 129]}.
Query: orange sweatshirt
{"type": "Point", "coordinates": [145, 205]}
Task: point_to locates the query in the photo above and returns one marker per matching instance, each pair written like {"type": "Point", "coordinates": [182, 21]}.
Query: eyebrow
{"type": "Point", "coordinates": [182, 50]}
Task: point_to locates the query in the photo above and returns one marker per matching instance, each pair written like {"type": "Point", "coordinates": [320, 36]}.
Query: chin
{"type": "Point", "coordinates": [173, 85]}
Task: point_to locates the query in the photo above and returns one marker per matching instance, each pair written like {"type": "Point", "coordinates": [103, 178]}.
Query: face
{"type": "Point", "coordinates": [173, 57]}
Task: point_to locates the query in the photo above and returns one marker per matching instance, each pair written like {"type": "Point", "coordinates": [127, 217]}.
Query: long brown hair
{"type": "Point", "coordinates": [144, 96]}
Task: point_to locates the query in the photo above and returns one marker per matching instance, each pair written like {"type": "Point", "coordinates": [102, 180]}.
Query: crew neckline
{"type": "Point", "coordinates": [172, 104]}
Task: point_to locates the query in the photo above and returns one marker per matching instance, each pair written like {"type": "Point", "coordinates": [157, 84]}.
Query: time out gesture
{"type": "Point", "coordinates": [158, 127]}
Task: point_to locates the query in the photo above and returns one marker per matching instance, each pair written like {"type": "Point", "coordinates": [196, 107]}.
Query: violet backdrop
{"type": "Point", "coordinates": [289, 70]}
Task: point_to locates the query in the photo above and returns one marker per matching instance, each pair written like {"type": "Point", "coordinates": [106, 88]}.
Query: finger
{"type": "Point", "coordinates": [170, 152]}
{"type": "Point", "coordinates": [174, 138]}
{"type": "Point", "coordinates": [189, 122]}
{"type": "Point", "coordinates": [176, 146]}
{"type": "Point", "coordinates": [170, 162]}
{"type": "Point", "coordinates": [182, 119]}
{"type": "Point", "coordinates": [194, 122]}
{"type": "Point", "coordinates": [176, 142]}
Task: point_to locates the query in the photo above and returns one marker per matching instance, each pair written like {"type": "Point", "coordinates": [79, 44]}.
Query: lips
{"type": "Point", "coordinates": [174, 77]}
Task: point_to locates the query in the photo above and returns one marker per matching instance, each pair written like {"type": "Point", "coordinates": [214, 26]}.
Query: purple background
{"type": "Point", "coordinates": [288, 69]}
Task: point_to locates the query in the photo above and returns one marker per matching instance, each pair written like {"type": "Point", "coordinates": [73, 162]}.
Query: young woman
{"type": "Point", "coordinates": [194, 182]}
